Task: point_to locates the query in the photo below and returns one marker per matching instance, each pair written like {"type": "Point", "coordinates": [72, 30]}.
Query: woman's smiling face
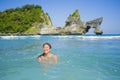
{"type": "Point", "coordinates": [46, 49]}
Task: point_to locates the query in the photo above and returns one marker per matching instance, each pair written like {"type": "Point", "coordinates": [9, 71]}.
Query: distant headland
{"type": "Point", "coordinates": [31, 20]}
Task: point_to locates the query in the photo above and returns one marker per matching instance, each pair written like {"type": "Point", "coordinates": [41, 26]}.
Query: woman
{"type": "Point", "coordinates": [47, 56]}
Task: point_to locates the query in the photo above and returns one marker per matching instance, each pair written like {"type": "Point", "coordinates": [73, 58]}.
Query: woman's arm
{"type": "Point", "coordinates": [55, 58]}
{"type": "Point", "coordinates": [39, 59]}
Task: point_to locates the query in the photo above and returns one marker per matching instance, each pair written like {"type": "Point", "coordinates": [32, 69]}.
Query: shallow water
{"type": "Point", "coordinates": [80, 57]}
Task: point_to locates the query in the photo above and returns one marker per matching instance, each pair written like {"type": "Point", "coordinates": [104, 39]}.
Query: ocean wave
{"type": "Point", "coordinates": [88, 37]}
{"type": "Point", "coordinates": [12, 37]}
{"type": "Point", "coordinates": [61, 37]}
{"type": "Point", "coordinates": [19, 37]}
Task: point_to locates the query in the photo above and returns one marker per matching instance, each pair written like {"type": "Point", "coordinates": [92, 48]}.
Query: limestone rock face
{"type": "Point", "coordinates": [73, 25]}
{"type": "Point", "coordinates": [73, 19]}
{"type": "Point", "coordinates": [95, 24]}
{"type": "Point", "coordinates": [49, 30]}
{"type": "Point", "coordinates": [47, 20]}
{"type": "Point", "coordinates": [46, 30]}
{"type": "Point", "coordinates": [46, 26]}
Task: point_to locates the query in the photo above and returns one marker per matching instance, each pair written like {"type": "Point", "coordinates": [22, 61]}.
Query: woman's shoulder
{"type": "Point", "coordinates": [55, 57]}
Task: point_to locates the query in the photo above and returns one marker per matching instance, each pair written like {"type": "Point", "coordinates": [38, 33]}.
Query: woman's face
{"type": "Point", "coordinates": [46, 49]}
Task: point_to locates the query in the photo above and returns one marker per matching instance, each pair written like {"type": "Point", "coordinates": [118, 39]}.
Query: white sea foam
{"type": "Point", "coordinates": [18, 37]}
{"type": "Point", "coordinates": [88, 37]}
{"type": "Point", "coordinates": [61, 37]}
{"type": "Point", "coordinates": [35, 36]}
{"type": "Point", "coordinates": [100, 37]}
{"type": "Point", "coordinates": [12, 37]}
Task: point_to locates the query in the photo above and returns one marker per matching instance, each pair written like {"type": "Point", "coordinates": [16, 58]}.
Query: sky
{"type": "Point", "coordinates": [59, 10]}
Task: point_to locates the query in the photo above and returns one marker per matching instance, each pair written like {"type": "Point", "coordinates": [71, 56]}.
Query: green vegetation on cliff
{"type": "Point", "coordinates": [75, 14]}
{"type": "Point", "coordinates": [20, 20]}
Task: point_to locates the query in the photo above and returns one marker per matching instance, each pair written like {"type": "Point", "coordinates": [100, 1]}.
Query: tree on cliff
{"type": "Point", "coordinates": [19, 20]}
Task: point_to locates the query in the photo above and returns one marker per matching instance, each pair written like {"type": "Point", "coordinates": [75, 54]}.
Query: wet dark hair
{"type": "Point", "coordinates": [47, 44]}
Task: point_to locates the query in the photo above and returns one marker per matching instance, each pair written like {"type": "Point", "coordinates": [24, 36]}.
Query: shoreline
{"type": "Point", "coordinates": [36, 34]}
{"type": "Point", "coordinates": [114, 34]}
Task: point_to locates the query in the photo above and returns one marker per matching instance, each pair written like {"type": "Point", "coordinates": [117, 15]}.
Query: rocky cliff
{"type": "Point", "coordinates": [31, 19]}
{"type": "Point", "coordinates": [47, 19]}
{"type": "Point", "coordinates": [74, 25]}
{"type": "Point", "coordinates": [94, 24]}
{"type": "Point", "coordinates": [28, 19]}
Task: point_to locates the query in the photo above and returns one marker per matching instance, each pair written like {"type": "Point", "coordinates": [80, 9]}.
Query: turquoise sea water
{"type": "Point", "coordinates": [80, 57]}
